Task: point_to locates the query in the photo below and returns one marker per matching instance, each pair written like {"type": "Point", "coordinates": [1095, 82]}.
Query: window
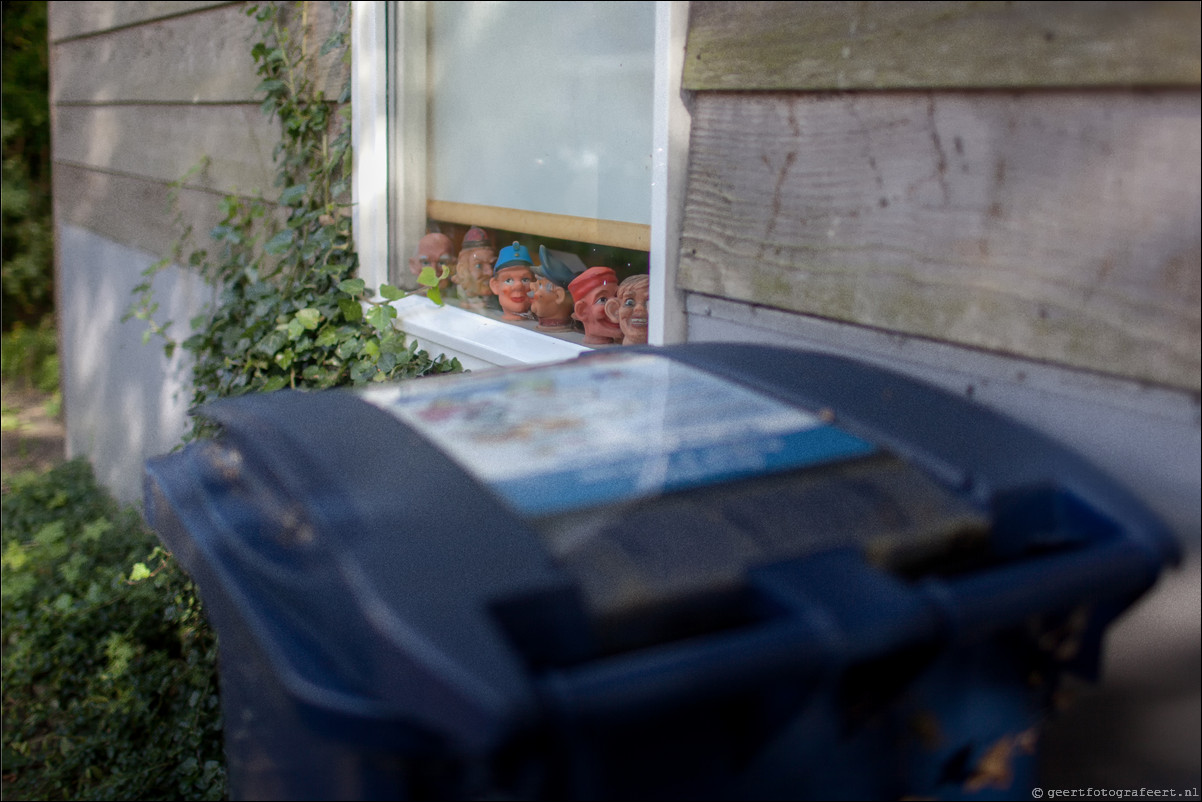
{"type": "Point", "coordinates": [555, 124]}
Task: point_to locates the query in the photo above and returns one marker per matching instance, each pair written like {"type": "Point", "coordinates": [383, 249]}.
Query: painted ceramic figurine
{"type": "Point", "coordinates": [474, 268]}
{"type": "Point", "coordinates": [435, 251]}
{"type": "Point", "coordinates": [512, 280]}
{"type": "Point", "coordinates": [592, 289]}
{"type": "Point", "coordinates": [629, 309]}
{"type": "Point", "coordinates": [550, 301]}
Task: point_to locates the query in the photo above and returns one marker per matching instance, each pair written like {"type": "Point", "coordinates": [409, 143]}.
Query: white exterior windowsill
{"type": "Point", "coordinates": [477, 341]}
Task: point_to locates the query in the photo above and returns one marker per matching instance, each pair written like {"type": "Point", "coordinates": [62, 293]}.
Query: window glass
{"type": "Point", "coordinates": [543, 106]}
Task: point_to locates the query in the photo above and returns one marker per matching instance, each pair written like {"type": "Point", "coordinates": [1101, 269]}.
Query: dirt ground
{"type": "Point", "coordinates": [33, 437]}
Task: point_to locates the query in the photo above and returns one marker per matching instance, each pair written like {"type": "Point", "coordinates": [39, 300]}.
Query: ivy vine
{"type": "Point", "coordinates": [290, 310]}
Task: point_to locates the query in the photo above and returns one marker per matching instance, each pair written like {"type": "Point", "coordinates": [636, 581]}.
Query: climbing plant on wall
{"type": "Point", "coordinates": [291, 311]}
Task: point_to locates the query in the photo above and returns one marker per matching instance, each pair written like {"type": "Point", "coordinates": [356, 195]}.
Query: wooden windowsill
{"type": "Point", "coordinates": [613, 233]}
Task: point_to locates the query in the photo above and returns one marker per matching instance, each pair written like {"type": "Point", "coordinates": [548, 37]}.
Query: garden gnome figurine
{"type": "Point", "coordinates": [629, 309]}
{"type": "Point", "coordinates": [474, 267]}
{"type": "Point", "coordinates": [591, 290]}
{"type": "Point", "coordinates": [435, 251]}
{"type": "Point", "coordinates": [550, 301]}
{"type": "Point", "coordinates": [512, 280]}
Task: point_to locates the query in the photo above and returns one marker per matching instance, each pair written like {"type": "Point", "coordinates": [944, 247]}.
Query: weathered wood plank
{"type": "Point", "coordinates": [1052, 225]}
{"type": "Point", "coordinates": [70, 19]}
{"type": "Point", "coordinates": [134, 212]}
{"type": "Point", "coordinates": [923, 45]}
{"type": "Point", "coordinates": [193, 58]}
{"type": "Point", "coordinates": [163, 142]}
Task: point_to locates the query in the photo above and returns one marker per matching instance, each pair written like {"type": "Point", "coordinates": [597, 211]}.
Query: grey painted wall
{"type": "Point", "coordinates": [123, 400]}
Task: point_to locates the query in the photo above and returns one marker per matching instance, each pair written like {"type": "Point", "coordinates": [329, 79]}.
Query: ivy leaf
{"type": "Point", "coordinates": [326, 337]}
{"type": "Point", "coordinates": [139, 572]}
{"type": "Point", "coordinates": [270, 85]}
{"type": "Point", "coordinates": [362, 370]}
{"type": "Point", "coordinates": [352, 312]}
{"type": "Point", "coordinates": [372, 349]}
{"type": "Point", "coordinates": [273, 342]}
{"type": "Point", "coordinates": [391, 293]}
{"type": "Point", "coordinates": [380, 317]}
{"type": "Point", "coordinates": [428, 278]}
{"type": "Point", "coordinates": [276, 382]}
{"type": "Point", "coordinates": [309, 317]}
{"type": "Point", "coordinates": [280, 242]}
{"type": "Point", "coordinates": [295, 328]}
{"type": "Point", "coordinates": [293, 195]}
{"type": "Point", "coordinates": [435, 294]}
{"type": "Point", "coordinates": [353, 286]}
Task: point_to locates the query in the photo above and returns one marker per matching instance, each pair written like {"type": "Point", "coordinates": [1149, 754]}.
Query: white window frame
{"type": "Point", "coordinates": [389, 184]}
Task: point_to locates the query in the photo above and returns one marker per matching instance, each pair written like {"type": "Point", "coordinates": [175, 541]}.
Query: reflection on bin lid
{"type": "Point", "coordinates": [609, 429]}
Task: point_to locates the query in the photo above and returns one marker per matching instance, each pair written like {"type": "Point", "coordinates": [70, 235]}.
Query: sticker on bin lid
{"type": "Point", "coordinates": [609, 428]}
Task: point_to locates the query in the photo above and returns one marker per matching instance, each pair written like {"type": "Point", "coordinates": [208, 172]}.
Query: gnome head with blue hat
{"type": "Point", "coordinates": [550, 301]}
{"type": "Point", "coordinates": [512, 280]}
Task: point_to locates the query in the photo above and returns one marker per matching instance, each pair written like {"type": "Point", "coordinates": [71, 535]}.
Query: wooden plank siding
{"type": "Point", "coordinates": [1061, 225]}
{"type": "Point", "coordinates": [131, 210]}
{"type": "Point", "coordinates": [69, 19]}
{"type": "Point", "coordinates": [893, 45]}
{"type": "Point", "coordinates": [163, 142]}
{"type": "Point", "coordinates": [142, 92]}
{"type": "Point", "coordinates": [199, 58]}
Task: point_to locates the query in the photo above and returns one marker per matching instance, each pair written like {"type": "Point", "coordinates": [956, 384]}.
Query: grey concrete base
{"type": "Point", "coordinates": [123, 400]}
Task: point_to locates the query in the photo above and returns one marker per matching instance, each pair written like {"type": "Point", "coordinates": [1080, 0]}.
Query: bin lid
{"type": "Point", "coordinates": [610, 429]}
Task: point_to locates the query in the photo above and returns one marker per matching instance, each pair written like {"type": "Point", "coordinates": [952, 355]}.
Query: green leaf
{"type": "Point", "coordinates": [327, 337]}
{"type": "Point", "coordinates": [293, 195]}
{"type": "Point", "coordinates": [380, 317]}
{"type": "Point", "coordinates": [435, 295]}
{"type": "Point", "coordinates": [309, 317]}
{"type": "Point", "coordinates": [271, 85]}
{"type": "Point", "coordinates": [353, 286]}
{"type": "Point", "coordinates": [428, 278]}
{"type": "Point", "coordinates": [352, 312]}
{"type": "Point", "coordinates": [391, 293]}
{"type": "Point", "coordinates": [276, 382]}
{"type": "Point", "coordinates": [139, 572]}
{"type": "Point", "coordinates": [280, 242]}
{"type": "Point", "coordinates": [272, 343]}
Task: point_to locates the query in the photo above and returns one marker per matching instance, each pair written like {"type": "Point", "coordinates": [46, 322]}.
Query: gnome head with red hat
{"type": "Point", "coordinates": [591, 290]}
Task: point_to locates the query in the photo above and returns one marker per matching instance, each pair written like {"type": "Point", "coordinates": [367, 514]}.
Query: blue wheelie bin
{"type": "Point", "coordinates": [695, 572]}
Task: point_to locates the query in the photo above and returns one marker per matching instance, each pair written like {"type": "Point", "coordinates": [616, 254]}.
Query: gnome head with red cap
{"type": "Point", "coordinates": [591, 290]}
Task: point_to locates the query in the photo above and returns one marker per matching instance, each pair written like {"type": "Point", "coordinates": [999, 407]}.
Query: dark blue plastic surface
{"type": "Point", "coordinates": [389, 628]}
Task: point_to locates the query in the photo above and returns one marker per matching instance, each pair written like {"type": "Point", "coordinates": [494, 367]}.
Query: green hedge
{"type": "Point", "coordinates": [110, 685]}
{"type": "Point", "coordinates": [29, 356]}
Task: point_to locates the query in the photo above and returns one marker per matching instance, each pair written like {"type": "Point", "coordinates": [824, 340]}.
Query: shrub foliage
{"type": "Point", "coordinates": [110, 685]}
{"type": "Point", "coordinates": [26, 244]}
